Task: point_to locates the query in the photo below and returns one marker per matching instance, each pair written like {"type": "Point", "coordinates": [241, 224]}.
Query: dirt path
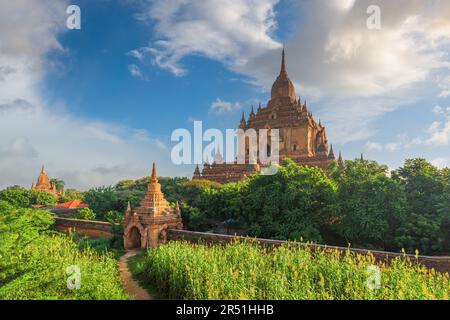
{"type": "Point", "coordinates": [130, 285]}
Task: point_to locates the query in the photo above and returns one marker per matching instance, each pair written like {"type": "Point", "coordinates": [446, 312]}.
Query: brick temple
{"type": "Point", "coordinates": [146, 225]}
{"type": "Point", "coordinates": [301, 137]}
{"type": "Point", "coordinates": [44, 184]}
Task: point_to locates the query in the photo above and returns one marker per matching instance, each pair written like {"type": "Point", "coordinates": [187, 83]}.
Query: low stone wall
{"type": "Point", "coordinates": [91, 229]}
{"type": "Point", "coordinates": [441, 264]}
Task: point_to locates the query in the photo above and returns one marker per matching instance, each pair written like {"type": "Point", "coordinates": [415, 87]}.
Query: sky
{"type": "Point", "coordinates": [99, 104]}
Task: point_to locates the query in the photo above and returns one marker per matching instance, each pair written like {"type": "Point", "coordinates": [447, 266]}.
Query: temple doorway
{"type": "Point", "coordinates": [134, 238]}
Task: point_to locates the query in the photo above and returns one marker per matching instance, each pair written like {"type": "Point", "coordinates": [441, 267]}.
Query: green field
{"type": "Point", "coordinates": [246, 271]}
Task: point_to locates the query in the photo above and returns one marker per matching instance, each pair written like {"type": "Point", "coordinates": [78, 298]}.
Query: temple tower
{"type": "Point", "coordinates": [44, 184]}
{"type": "Point", "coordinates": [301, 137]}
{"type": "Point", "coordinates": [146, 225]}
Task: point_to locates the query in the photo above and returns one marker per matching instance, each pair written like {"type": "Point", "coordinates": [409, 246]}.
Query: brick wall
{"type": "Point", "coordinates": [441, 264]}
{"type": "Point", "coordinates": [92, 229]}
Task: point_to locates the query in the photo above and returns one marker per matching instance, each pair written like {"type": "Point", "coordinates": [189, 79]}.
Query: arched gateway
{"type": "Point", "coordinates": [146, 225]}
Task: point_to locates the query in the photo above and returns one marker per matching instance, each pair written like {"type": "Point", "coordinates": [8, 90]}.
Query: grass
{"type": "Point", "coordinates": [34, 261]}
{"type": "Point", "coordinates": [136, 266]}
{"type": "Point", "coordinates": [246, 271]}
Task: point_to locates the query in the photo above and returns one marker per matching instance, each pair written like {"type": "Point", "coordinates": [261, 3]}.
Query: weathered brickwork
{"type": "Point", "coordinates": [91, 229]}
{"type": "Point", "coordinates": [146, 225]}
{"type": "Point", "coordinates": [301, 137]}
{"type": "Point", "coordinates": [44, 184]}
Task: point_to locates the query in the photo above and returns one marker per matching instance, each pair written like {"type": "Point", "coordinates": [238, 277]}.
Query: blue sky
{"type": "Point", "coordinates": [99, 104]}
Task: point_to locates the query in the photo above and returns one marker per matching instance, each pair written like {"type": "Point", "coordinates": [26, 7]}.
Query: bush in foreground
{"type": "Point", "coordinates": [247, 271]}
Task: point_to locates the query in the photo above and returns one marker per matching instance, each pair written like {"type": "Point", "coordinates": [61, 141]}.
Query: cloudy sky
{"type": "Point", "coordinates": [99, 104]}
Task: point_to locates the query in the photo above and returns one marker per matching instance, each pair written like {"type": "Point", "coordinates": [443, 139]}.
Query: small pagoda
{"type": "Point", "coordinates": [146, 226]}
{"type": "Point", "coordinates": [44, 184]}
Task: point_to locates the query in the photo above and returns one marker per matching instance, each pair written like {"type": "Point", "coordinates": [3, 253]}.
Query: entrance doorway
{"type": "Point", "coordinates": [134, 238]}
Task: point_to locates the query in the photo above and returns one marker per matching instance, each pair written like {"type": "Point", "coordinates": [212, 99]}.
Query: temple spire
{"type": "Point", "coordinates": [43, 169]}
{"type": "Point", "coordinates": [283, 62]}
{"type": "Point", "coordinates": [331, 154]}
{"type": "Point", "coordinates": [154, 177]}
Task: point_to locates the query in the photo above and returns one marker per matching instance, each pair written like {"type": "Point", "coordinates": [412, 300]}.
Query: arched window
{"type": "Point", "coordinates": [294, 147]}
{"type": "Point", "coordinates": [268, 150]}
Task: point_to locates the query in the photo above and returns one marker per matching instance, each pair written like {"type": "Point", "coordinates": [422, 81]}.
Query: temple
{"type": "Point", "coordinates": [146, 225]}
{"type": "Point", "coordinates": [301, 137]}
{"type": "Point", "coordinates": [44, 184]}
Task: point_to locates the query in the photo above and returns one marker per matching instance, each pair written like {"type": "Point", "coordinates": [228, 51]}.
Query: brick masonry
{"type": "Point", "coordinates": [91, 229]}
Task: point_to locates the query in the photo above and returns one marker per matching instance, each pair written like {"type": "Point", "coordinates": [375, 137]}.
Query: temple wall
{"type": "Point", "coordinates": [91, 229]}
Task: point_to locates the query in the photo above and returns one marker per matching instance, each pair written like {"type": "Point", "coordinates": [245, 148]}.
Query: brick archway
{"type": "Point", "coordinates": [134, 236]}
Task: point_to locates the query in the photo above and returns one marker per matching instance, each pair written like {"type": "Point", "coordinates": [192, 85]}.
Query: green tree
{"type": "Point", "coordinates": [17, 196]}
{"type": "Point", "coordinates": [423, 218]}
{"type": "Point", "coordinates": [71, 194]}
{"type": "Point", "coordinates": [295, 203]}
{"type": "Point", "coordinates": [59, 185]}
{"type": "Point", "coordinates": [86, 214]}
{"type": "Point", "coordinates": [43, 198]}
{"type": "Point", "coordinates": [371, 204]}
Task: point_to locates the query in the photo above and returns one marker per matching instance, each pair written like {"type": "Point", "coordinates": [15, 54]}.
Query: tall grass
{"type": "Point", "coordinates": [247, 271]}
{"type": "Point", "coordinates": [33, 261]}
{"type": "Point", "coordinates": [43, 272]}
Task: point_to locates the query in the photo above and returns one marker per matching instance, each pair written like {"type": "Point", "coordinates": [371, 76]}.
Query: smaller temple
{"type": "Point", "coordinates": [146, 225]}
{"type": "Point", "coordinates": [44, 184]}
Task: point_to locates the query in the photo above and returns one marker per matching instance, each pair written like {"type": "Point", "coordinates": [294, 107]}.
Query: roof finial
{"type": "Point", "coordinates": [43, 169]}
{"type": "Point", "coordinates": [362, 157]}
{"type": "Point", "coordinates": [340, 160]}
{"type": "Point", "coordinates": [283, 61]}
{"type": "Point", "coordinates": [154, 177]}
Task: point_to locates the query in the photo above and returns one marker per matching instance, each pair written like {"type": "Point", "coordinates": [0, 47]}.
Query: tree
{"type": "Point", "coordinates": [17, 196]}
{"type": "Point", "coordinates": [25, 198]}
{"type": "Point", "coordinates": [370, 204]}
{"type": "Point", "coordinates": [86, 214]}
{"type": "Point", "coordinates": [71, 194]}
{"type": "Point", "coordinates": [43, 198]}
{"type": "Point", "coordinates": [424, 188]}
{"type": "Point", "coordinates": [293, 204]}
{"type": "Point", "coordinates": [59, 185]}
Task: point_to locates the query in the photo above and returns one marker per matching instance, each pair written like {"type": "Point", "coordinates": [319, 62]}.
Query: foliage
{"type": "Point", "coordinates": [423, 187]}
{"type": "Point", "coordinates": [33, 261]}
{"type": "Point", "coordinates": [25, 198]}
{"type": "Point", "coordinates": [370, 203]}
{"type": "Point", "coordinates": [71, 194]}
{"type": "Point", "coordinates": [59, 184]}
{"type": "Point", "coordinates": [113, 216]}
{"type": "Point", "coordinates": [105, 199]}
{"type": "Point", "coordinates": [86, 214]}
{"type": "Point", "coordinates": [247, 271]}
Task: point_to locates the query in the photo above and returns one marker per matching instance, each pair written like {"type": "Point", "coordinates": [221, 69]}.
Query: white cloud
{"type": "Point", "coordinates": [353, 75]}
{"type": "Point", "coordinates": [228, 31]}
{"type": "Point", "coordinates": [220, 107]}
{"type": "Point", "coordinates": [377, 146]}
{"type": "Point", "coordinates": [136, 72]}
{"type": "Point", "coordinates": [371, 146]}
{"type": "Point", "coordinates": [83, 152]}
{"type": "Point", "coordinates": [439, 133]}
{"type": "Point", "coordinates": [441, 162]}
